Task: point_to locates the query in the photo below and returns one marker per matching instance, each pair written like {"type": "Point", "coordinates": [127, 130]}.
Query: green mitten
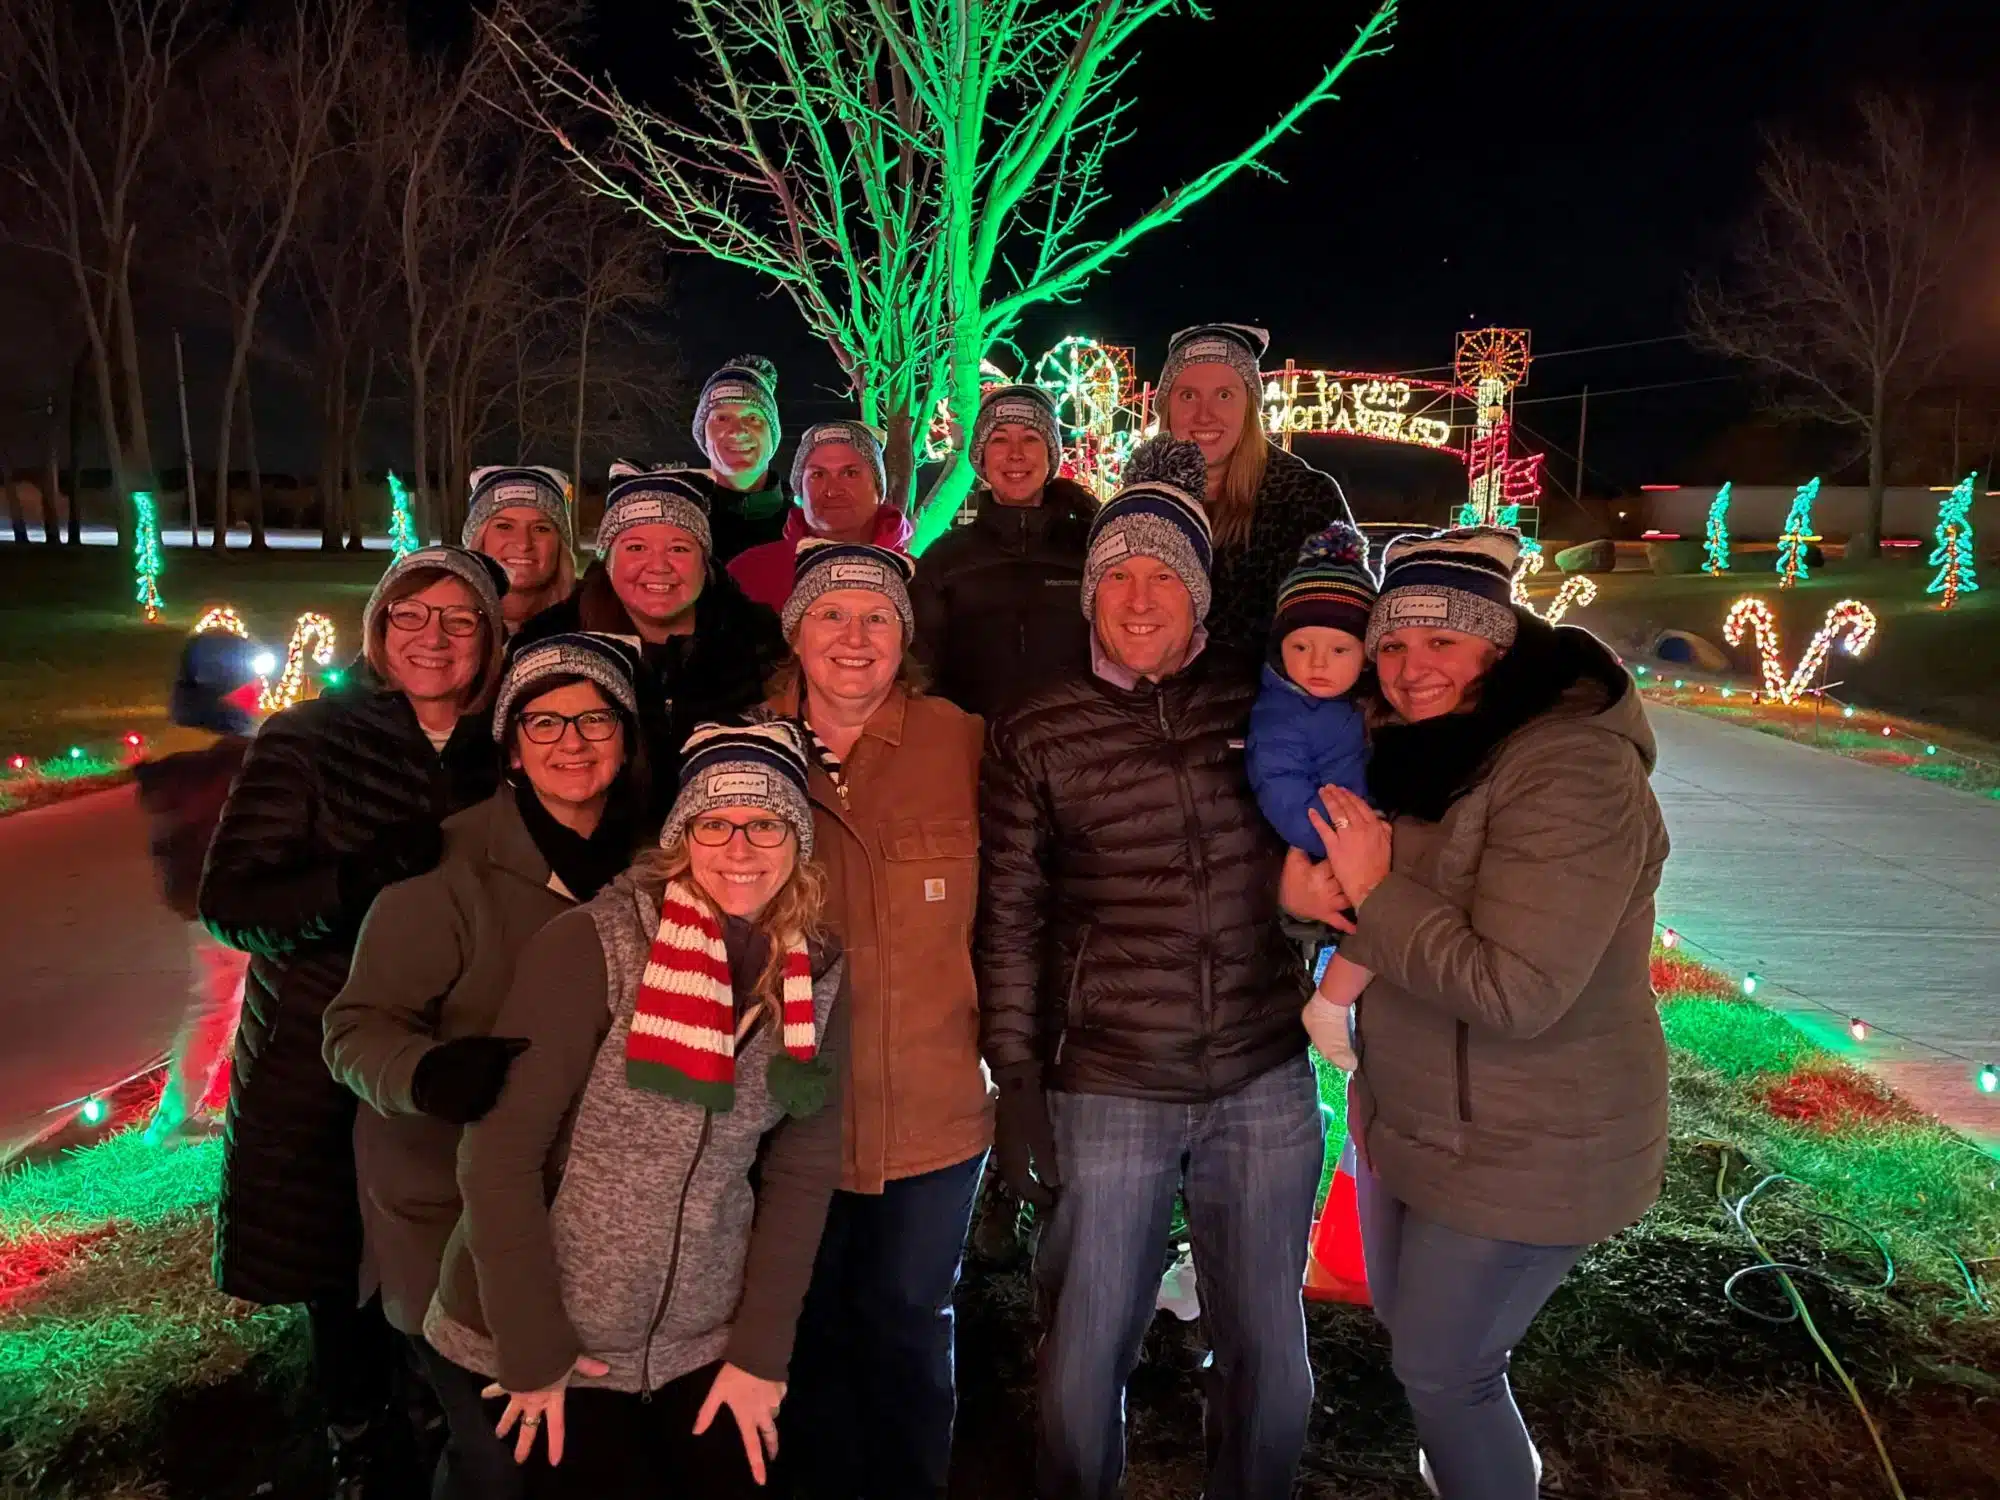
{"type": "Point", "coordinates": [799, 1087]}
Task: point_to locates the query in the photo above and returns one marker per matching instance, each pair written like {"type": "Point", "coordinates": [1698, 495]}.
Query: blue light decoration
{"type": "Point", "coordinates": [1798, 532]}
{"type": "Point", "coordinates": [402, 520]}
{"type": "Point", "coordinates": [1953, 557]}
{"type": "Point", "coordinates": [1716, 541]}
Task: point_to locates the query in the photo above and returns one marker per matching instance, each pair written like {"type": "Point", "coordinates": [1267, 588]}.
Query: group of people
{"type": "Point", "coordinates": [643, 963]}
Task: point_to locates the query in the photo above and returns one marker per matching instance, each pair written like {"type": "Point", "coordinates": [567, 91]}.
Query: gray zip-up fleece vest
{"type": "Point", "coordinates": [652, 1219]}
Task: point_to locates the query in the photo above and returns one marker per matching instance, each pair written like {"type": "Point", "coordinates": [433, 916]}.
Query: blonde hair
{"type": "Point", "coordinates": [1234, 504]}
{"type": "Point", "coordinates": [480, 692]}
{"type": "Point", "coordinates": [793, 915]}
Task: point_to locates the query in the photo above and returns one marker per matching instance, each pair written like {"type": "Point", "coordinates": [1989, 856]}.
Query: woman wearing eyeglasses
{"type": "Point", "coordinates": [895, 789]}
{"type": "Point", "coordinates": [338, 798]}
{"type": "Point", "coordinates": [628, 1287]}
{"type": "Point", "coordinates": [411, 1032]}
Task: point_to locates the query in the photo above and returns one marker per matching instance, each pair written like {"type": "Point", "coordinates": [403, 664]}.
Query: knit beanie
{"type": "Point", "coordinates": [748, 378]}
{"type": "Point", "coordinates": [1029, 405]}
{"type": "Point", "coordinates": [864, 439]}
{"type": "Point", "coordinates": [1461, 579]}
{"type": "Point", "coordinates": [603, 659]}
{"type": "Point", "coordinates": [1237, 345]}
{"type": "Point", "coordinates": [502, 487]}
{"type": "Point", "coordinates": [478, 572]}
{"type": "Point", "coordinates": [1329, 585]}
{"type": "Point", "coordinates": [1158, 513]}
{"type": "Point", "coordinates": [653, 497]}
{"type": "Point", "coordinates": [744, 765]}
{"type": "Point", "coordinates": [820, 566]}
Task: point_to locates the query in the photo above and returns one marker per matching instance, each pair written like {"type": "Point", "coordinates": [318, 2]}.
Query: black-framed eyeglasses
{"type": "Point", "coordinates": [412, 615]}
{"type": "Point", "coordinates": [759, 833]}
{"type": "Point", "coordinates": [545, 728]}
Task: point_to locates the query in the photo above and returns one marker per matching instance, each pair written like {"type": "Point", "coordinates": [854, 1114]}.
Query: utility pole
{"type": "Point", "coordinates": [1582, 431]}
{"type": "Point", "coordinates": [187, 452]}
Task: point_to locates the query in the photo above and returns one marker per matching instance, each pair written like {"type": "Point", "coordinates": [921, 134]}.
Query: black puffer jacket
{"type": "Point", "coordinates": [322, 781]}
{"type": "Point", "coordinates": [1128, 927]}
{"type": "Point", "coordinates": [713, 674]}
{"type": "Point", "coordinates": [1294, 501]}
{"type": "Point", "coordinates": [738, 521]}
{"type": "Point", "coordinates": [997, 603]}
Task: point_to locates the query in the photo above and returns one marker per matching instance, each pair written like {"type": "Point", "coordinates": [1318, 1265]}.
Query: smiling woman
{"type": "Point", "coordinates": [519, 517]}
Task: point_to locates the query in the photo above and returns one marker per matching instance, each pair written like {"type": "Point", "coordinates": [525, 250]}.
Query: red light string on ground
{"type": "Point", "coordinates": [1986, 1079]}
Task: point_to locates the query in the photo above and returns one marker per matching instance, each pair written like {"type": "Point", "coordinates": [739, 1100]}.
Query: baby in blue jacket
{"type": "Point", "coordinates": [1306, 731]}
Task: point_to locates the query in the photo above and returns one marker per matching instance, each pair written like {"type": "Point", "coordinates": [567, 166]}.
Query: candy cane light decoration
{"type": "Point", "coordinates": [1850, 622]}
{"type": "Point", "coordinates": [314, 635]}
{"type": "Point", "coordinates": [1575, 593]}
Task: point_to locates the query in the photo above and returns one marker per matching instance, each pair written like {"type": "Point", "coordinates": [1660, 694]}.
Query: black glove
{"type": "Point", "coordinates": [1023, 1139]}
{"type": "Point", "coordinates": [460, 1080]}
{"type": "Point", "coordinates": [396, 854]}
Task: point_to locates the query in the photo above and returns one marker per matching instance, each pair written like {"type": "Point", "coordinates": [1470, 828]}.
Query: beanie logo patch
{"type": "Point", "coordinates": [857, 573]}
{"type": "Point", "coordinates": [1110, 547]}
{"type": "Point", "coordinates": [520, 492]}
{"type": "Point", "coordinates": [739, 784]}
{"type": "Point", "coordinates": [1209, 351]}
{"type": "Point", "coordinates": [1419, 607]}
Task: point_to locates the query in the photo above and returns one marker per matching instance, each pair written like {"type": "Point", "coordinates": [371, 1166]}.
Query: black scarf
{"type": "Point", "coordinates": [1421, 769]}
{"type": "Point", "coordinates": [584, 865]}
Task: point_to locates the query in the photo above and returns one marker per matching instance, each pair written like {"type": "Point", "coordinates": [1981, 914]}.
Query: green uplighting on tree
{"type": "Point", "coordinates": [1716, 542]}
{"type": "Point", "coordinates": [1797, 535]}
{"type": "Point", "coordinates": [402, 519]}
{"type": "Point", "coordinates": [146, 553]}
{"type": "Point", "coordinates": [1953, 557]}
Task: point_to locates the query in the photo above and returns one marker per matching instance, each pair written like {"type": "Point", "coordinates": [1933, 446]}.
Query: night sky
{"type": "Point", "coordinates": [1557, 166]}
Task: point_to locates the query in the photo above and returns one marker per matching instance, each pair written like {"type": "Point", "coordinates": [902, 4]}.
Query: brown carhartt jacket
{"type": "Point", "coordinates": [1513, 1078]}
{"type": "Point", "coordinates": [900, 846]}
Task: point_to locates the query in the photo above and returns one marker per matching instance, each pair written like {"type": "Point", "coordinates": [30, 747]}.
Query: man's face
{"type": "Point", "coordinates": [840, 495]}
{"type": "Point", "coordinates": [1144, 617]}
{"type": "Point", "coordinates": [737, 438]}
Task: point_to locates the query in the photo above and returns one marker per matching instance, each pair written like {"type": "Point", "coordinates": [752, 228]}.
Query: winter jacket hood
{"type": "Point", "coordinates": [1513, 1078]}
{"type": "Point", "coordinates": [765, 573]}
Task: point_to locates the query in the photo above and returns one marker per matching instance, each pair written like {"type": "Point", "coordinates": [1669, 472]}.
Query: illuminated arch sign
{"type": "Point", "coordinates": [1388, 408]}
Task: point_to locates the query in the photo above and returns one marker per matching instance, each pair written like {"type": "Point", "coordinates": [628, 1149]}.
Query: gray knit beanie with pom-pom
{"type": "Point", "coordinates": [1158, 513]}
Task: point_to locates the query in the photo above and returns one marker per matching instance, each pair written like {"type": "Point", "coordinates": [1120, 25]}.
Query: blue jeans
{"type": "Point", "coordinates": [1455, 1305]}
{"type": "Point", "coordinates": [1248, 1166]}
{"type": "Point", "coordinates": [872, 1397]}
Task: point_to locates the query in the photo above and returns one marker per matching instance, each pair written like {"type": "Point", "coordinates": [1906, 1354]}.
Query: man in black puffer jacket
{"type": "Point", "coordinates": [1140, 1008]}
{"type": "Point", "coordinates": [995, 598]}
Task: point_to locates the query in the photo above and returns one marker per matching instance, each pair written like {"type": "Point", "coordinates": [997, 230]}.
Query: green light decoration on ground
{"type": "Point", "coordinates": [1716, 558]}
{"type": "Point", "coordinates": [1954, 554]}
{"type": "Point", "coordinates": [402, 519]}
{"type": "Point", "coordinates": [1797, 535]}
{"type": "Point", "coordinates": [146, 553]}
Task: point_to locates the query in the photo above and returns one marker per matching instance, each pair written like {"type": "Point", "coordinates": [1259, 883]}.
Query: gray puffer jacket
{"type": "Point", "coordinates": [608, 1220]}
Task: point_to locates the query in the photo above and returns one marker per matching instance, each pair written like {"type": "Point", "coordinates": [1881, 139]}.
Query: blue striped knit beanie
{"type": "Point", "coordinates": [1158, 513]}
{"type": "Point", "coordinates": [761, 764]}
{"type": "Point", "coordinates": [1461, 579]}
{"type": "Point", "coordinates": [820, 566]}
{"type": "Point", "coordinates": [859, 436]}
{"type": "Point", "coordinates": [501, 487]}
{"type": "Point", "coordinates": [1238, 345]}
{"type": "Point", "coordinates": [653, 497]}
{"type": "Point", "coordinates": [748, 378]}
{"type": "Point", "coordinates": [1029, 405]}
{"type": "Point", "coordinates": [605, 660]}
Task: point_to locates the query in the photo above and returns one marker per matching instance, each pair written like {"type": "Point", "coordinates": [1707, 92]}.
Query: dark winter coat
{"type": "Point", "coordinates": [712, 674]}
{"type": "Point", "coordinates": [997, 603]}
{"type": "Point", "coordinates": [1128, 934]}
{"type": "Point", "coordinates": [1294, 501]}
{"type": "Point", "coordinates": [182, 796]}
{"type": "Point", "coordinates": [1513, 1079]}
{"type": "Point", "coordinates": [1298, 744]}
{"type": "Point", "coordinates": [322, 783]}
{"type": "Point", "coordinates": [739, 520]}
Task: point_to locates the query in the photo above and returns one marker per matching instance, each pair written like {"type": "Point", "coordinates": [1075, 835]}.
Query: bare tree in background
{"type": "Point", "coordinates": [1841, 291]}
{"type": "Point", "coordinates": [86, 81]}
{"type": "Point", "coordinates": [262, 112]}
{"type": "Point", "coordinates": [914, 176]}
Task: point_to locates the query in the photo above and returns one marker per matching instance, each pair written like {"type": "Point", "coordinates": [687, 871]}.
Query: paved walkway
{"type": "Point", "coordinates": [95, 965]}
{"type": "Point", "coordinates": [1874, 893]}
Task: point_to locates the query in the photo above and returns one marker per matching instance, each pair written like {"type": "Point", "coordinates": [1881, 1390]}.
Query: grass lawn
{"type": "Point", "coordinates": [79, 665]}
{"type": "Point", "coordinates": [1930, 664]}
{"type": "Point", "coordinates": [1647, 1375]}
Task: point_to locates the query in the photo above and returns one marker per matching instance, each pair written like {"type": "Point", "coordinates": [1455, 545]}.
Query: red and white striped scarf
{"type": "Point", "coordinates": [684, 1021]}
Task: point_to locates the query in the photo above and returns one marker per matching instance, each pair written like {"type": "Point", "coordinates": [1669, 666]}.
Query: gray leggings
{"type": "Point", "coordinates": [1455, 1305]}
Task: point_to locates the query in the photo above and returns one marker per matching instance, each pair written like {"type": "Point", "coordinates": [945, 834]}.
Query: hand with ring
{"type": "Point", "coordinates": [1357, 841]}
{"type": "Point", "coordinates": [754, 1403]}
{"type": "Point", "coordinates": [531, 1409]}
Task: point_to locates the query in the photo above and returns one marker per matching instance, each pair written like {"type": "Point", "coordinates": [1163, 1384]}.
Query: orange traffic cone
{"type": "Point", "coordinates": [1335, 1268]}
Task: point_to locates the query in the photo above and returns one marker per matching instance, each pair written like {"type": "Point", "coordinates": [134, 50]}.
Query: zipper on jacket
{"type": "Point", "coordinates": [1198, 867]}
{"type": "Point", "coordinates": [673, 1261]}
{"type": "Point", "coordinates": [1461, 1070]}
{"type": "Point", "coordinates": [1075, 988]}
